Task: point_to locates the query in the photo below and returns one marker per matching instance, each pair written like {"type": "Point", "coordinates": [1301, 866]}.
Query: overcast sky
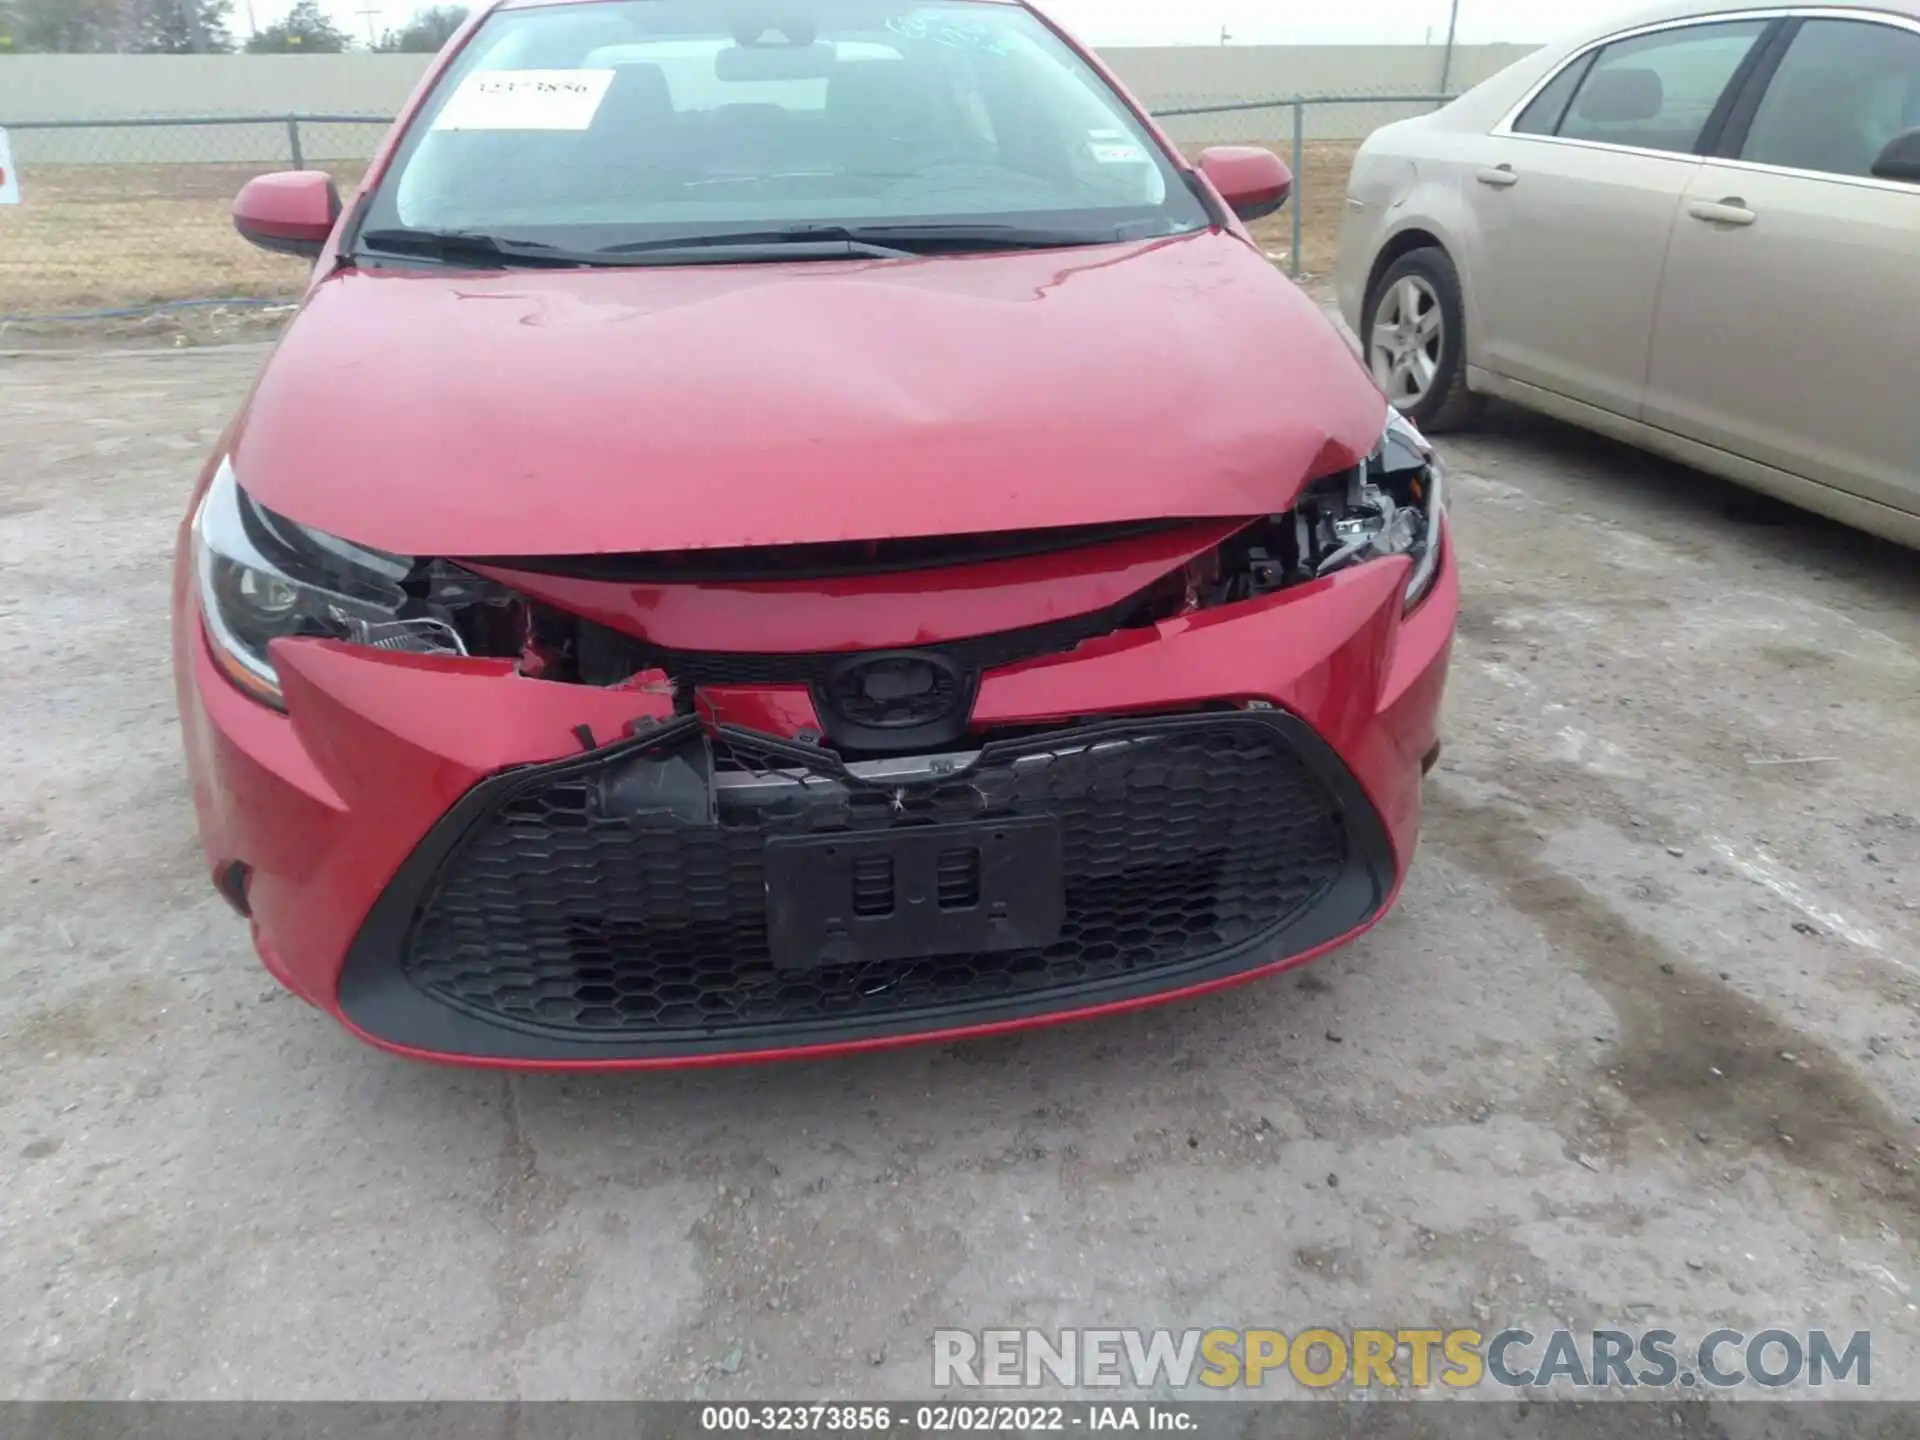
{"type": "Point", "coordinates": [1188, 22]}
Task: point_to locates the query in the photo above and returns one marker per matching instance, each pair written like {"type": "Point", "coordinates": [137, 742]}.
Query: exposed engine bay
{"type": "Point", "coordinates": [1385, 507]}
{"type": "Point", "coordinates": [264, 577]}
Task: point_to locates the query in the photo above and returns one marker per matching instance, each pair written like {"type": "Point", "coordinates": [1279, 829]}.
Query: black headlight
{"type": "Point", "coordinates": [263, 578]}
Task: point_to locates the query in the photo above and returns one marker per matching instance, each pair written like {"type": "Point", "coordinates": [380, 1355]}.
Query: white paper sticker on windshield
{"type": "Point", "coordinates": [1109, 152]}
{"type": "Point", "coordinates": [526, 100]}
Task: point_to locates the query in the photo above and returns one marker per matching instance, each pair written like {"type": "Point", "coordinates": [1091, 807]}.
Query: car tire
{"type": "Point", "coordinates": [1420, 284]}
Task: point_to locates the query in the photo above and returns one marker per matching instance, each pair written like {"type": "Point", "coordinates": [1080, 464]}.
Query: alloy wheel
{"type": "Point", "coordinates": [1409, 329]}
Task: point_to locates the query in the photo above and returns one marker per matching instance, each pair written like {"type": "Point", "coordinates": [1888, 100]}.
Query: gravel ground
{"type": "Point", "coordinates": [1636, 1049]}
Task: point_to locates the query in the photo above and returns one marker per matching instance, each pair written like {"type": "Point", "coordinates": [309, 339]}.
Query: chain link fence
{"type": "Point", "coordinates": [131, 217]}
{"type": "Point", "coordinates": [127, 216]}
{"type": "Point", "coordinates": [1318, 136]}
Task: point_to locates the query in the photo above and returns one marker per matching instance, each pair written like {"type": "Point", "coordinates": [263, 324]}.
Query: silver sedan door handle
{"type": "Point", "coordinates": [1498, 176]}
{"type": "Point", "coordinates": [1731, 211]}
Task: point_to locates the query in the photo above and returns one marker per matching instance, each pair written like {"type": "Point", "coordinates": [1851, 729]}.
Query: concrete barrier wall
{"type": "Point", "coordinates": [1175, 77]}
{"type": "Point", "coordinates": [97, 87]}
{"type": "Point", "coordinates": [94, 87]}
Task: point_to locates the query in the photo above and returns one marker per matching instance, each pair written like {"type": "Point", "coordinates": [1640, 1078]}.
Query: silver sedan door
{"type": "Point", "coordinates": [1789, 324]}
{"type": "Point", "coordinates": [1576, 222]}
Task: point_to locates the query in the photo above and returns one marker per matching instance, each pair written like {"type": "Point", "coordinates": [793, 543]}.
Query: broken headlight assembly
{"type": "Point", "coordinates": [1393, 504]}
{"type": "Point", "coordinates": [262, 578]}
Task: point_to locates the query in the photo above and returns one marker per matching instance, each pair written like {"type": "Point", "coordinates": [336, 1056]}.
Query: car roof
{"type": "Point", "coordinates": [1690, 9]}
{"type": "Point", "coordinates": [1487, 102]}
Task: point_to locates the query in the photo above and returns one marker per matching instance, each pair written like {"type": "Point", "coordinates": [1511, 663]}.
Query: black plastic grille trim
{"type": "Point", "coordinates": [958, 879]}
{"type": "Point", "coordinates": [831, 559]}
{"type": "Point", "coordinates": [526, 926]}
{"type": "Point", "coordinates": [873, 885]}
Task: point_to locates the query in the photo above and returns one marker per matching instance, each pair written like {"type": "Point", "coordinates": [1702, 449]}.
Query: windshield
{"type": "Point", "coordinates": [621, 122]}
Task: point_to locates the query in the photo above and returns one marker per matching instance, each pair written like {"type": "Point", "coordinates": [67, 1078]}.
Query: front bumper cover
{"type": "Point", "coordinates": [345, 807]}
{"type": "Point", "coordinates": [544, 920]}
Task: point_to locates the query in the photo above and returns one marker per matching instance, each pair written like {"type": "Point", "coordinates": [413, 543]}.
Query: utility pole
{"type": "Point", "coordinates": [1446, 65]}
{"type": "Point", "coordinates": [1226, 36]}
{"type": "Point", "coordinates": [370, 14]}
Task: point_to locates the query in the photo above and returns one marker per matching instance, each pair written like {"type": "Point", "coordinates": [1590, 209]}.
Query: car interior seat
{"type": "Point", "coordinates": [882, 115]}
{"type": "Point", "coordinates": [631, 134]}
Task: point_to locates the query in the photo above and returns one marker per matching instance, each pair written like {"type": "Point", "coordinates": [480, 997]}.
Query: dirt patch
{"type": "Point", "coordinates": [181, 328]}
{"type": "Point", "coordinates": [1696, 1056]}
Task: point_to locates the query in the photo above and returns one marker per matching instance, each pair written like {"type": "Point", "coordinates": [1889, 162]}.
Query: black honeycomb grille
{"type": "Point", "coordinates": [554, 913]}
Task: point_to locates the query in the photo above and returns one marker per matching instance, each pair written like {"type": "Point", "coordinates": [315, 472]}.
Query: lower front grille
{"type": "Point", "coordinates": [555, 913]}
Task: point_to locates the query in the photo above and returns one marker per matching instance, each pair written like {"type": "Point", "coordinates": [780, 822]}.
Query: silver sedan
{"type": "Point", "coordinates": [1697, 230]}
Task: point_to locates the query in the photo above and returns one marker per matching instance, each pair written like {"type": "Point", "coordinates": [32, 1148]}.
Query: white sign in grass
{"type": "Point", "coordinates": [9, 177]}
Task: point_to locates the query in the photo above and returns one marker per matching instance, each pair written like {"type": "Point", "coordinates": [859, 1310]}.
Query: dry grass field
{"type": "Point", "coordinates": [90, 237]}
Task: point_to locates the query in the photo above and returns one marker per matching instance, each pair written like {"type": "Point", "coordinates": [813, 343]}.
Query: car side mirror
{"type": "Point", "coordinates": [291, 213]}
{"type": "Point", "coordinates": [1901, 159]}
{"type": "Point", "coordinates": [1253, 182]}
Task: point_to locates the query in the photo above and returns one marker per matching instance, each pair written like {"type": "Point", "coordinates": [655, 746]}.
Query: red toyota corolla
{"type": "Point", "coordinates": [787, 526]}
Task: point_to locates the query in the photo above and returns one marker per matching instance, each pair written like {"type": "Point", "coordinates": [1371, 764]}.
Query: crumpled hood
{"type": "Point", "coordinates": [595, 411]}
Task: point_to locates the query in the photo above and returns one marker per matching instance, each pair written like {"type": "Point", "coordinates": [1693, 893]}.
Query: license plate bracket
{"type": "Point", "coordinates": [969, 888]}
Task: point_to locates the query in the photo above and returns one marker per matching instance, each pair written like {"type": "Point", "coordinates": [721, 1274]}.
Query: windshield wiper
{"type": "Point", "coordinates": [890, 241]}
{"type": "Point", "coordinates": [983, 235]}
{"type": "Point", "coordinates": [471, 246]}
{"type": "Point", "coordinates": [793, 242]}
